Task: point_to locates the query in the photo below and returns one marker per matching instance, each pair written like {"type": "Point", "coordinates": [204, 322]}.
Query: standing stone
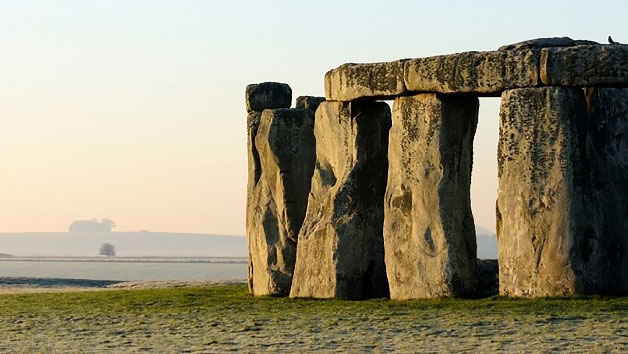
{"type": "Point", "coordinates": [277, 199]}
{"type": "Point", "coordinates": [309, 102]}
{"type": "Point", "coordinates": [341, 248]}
{"type": "Point", "coordinates": [429, 232]}
{"type": "Point", "coordinates": [254, 173]}
{"type": "Point", "coordinates": [543, 224]}
{"type": "Point", "coordinates": [607, 246]}
{"type": "Point", "coordinates": [267, 95]}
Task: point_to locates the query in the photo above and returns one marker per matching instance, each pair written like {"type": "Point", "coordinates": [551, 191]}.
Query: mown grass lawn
{"type": "Point", "coordinates": [226, 318]}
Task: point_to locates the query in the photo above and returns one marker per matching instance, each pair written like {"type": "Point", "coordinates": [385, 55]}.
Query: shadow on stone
{"type": "Point", "coordinates": [488, 278]}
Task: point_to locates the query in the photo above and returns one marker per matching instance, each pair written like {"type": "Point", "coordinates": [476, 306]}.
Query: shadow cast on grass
{"type": "Point", "coordinates": [25, 282]}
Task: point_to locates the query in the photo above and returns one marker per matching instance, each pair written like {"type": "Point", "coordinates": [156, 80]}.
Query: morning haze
{"type": "Point", "coordinates": [135, 112]}
{"type": "Point", "coordinates": [131, 171]}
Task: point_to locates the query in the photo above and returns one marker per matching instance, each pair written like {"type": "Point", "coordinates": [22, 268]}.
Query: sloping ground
{"type": "Point", "coordinates": [226, 318]}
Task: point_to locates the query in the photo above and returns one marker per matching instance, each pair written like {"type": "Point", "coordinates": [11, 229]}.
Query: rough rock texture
{"type": "Point", "coordinates": [267, 95]}
{"type": "Point", "coordinates": [539, 43]}
{"type": "Point", "coordinates": [543, 226]}
{"type": "Point", "coordinates": [341, 247]}
{"type": "Point", "coordinates": [309, 102]}
{"type": "Point", "coordinates": [428, 229]}
{"type": "Point", "coordinates": [562, 219]}
{"type": "Point", "coordinates": [277, 198]}
{"type": "Point", "coordinates": [254, 173]}
{"type": "Point", "coordinates": [608, 155]}
{"type": "Point", "coordinates": [585, 42]}
{"type": "Point", "coordinates": [351, 81]}
{"type": "Point", "coordinates": [481, 73]}
{"type": "Point", "coordinates": [590, 65]}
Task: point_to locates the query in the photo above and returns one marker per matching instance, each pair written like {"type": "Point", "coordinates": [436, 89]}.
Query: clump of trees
{"type": "Point", "coordinates": [105, 225]}
{"type": "Point", "coordinates": [107, 249]}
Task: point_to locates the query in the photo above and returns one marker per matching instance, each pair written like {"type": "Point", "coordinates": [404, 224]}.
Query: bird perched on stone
{"type": "Point", "coordinates": [611, 41]}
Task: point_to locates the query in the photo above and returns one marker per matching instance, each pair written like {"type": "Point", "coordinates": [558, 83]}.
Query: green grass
{"type": "Point", "coordinates": [227, 318]}
{"type": "Point", "coordinates": [237, 298]}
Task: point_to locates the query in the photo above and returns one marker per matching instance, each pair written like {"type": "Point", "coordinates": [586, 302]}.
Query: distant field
{"type": "Point", "coordinates": [125, 268]}
{"type": "Point", "coordinates": [226, 318]}
{"type": "Point", "coordinates": [127, 244]}
{"type": "Point", "coordinates": [159, 244]}
{"type": "Point", "coordinates": [127, 259]}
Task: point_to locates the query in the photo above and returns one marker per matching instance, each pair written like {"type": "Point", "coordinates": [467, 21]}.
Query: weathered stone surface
{"type": "Point", "coordinates": [607, 244]}
{"type": "Point", "coordinates": [429, 232]}
{"type": "Point", "coordinates": [539, 43]}
{"type": "Point", "coordinates": [267, 95]}
{"type": "Point", "coordinates": [351, 82]}
{"type": "Point", "coordinates": [542, 222]}
{"type": "Point", "coordinates": [480, 73]}
{"type": "Point", "coordinates": [563, 177]}
{"type": "Point", "coordinates": [592, 65]}
{"type": "Point", "coordinates": [254, 173]}
{"type": "Point", "coordinates": [277, 198]}
{"type": "Point", "coordinates": [341, 247]}
{"type": "Point", "coordinates": [309, 102]}
{"type": "Point", "coordinates": [585, 42]}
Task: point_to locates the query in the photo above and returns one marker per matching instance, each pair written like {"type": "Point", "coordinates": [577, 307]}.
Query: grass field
{"type": "Point", "coordinates": [226, 318]}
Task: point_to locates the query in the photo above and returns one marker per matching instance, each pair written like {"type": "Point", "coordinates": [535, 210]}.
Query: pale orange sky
{"type": "Point", "coordinates": [134, 111]}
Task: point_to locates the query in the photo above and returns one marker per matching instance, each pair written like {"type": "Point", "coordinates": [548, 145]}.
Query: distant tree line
{"type": "Point", "coordinates": [105, 225]}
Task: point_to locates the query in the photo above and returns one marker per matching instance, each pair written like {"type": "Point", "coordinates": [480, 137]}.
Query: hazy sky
{"type": "Point", "coordinates": [134, 110]}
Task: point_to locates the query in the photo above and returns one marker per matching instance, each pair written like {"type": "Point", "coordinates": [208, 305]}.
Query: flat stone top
{"type": "Point", "coordinates": [540, 43]}
{"type": "Point", "coordinates": [532, 63]}
{"type": "Point", "coordinates": [375, 80]}
{"type": "Point", "coordinates": [267, 95]}
{"type": "Point", "coordinates": [309, 102]}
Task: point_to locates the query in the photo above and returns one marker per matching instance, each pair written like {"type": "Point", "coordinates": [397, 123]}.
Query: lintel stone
{"type": "Point", "coordinates": [309, 102]}
{"type": "Point", "coordinates": [590, 65]}
{"type": "Point", "coordinates": [539, 43]}
{"type": "Point", "coordinates": [267, 95]}
{"type": "Point", "coordinates": [479, 73]}
{"type": "Point", "coordinates": [351, 81]}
